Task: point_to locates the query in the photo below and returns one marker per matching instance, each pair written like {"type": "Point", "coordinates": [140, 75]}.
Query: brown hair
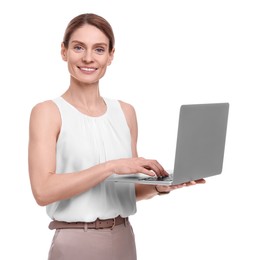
{"type": "Point", "coordinates": [91, 19]}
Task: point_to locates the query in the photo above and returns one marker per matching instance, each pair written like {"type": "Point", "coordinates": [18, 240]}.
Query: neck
{"type": "Point", "coordinates": [86, 98]}
{"type": "Point", "coordinates": [84, 93]}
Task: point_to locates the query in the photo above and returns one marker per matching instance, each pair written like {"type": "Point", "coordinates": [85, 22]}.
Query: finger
{"type": "Point", "coordinates": [181, 185]}
{"type": "Point", "coordinates": [156, 167]}
{"type": "Point", "coordinates": [146, 171]}
{"type": "Point", "coordinates": [195, 182]}
{"type": "Point", "coordinates": [190, 183]}
{"type": "Point", "coordinates": [200, 181]}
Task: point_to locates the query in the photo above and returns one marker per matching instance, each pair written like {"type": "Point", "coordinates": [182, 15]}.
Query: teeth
{"type": "Point", "coordinates": [88, 69]}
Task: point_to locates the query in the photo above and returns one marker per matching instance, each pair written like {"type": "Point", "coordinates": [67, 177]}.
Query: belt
{"type": "Point", "coordinates": [97, 224]}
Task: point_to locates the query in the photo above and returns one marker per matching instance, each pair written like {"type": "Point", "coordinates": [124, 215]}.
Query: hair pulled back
{"type": "Point", "coordinates": [91, 19]}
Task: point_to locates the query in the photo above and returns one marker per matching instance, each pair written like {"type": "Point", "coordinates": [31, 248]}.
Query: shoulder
{"type": "Point", "coordinates": [127, 108]}
{"type": "Point", "coordinates": [45, 113]}
{"type": "Point", "coordinates": [46, 108]}
{"type": "Point", "coordinates": [130, 114]}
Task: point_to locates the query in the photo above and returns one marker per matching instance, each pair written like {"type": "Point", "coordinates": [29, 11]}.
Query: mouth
{"type": "Point", "coordinates": [88, 69]}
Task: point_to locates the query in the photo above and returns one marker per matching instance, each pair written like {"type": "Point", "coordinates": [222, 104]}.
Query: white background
{"type": "Point", "coordinates": [168, 53]}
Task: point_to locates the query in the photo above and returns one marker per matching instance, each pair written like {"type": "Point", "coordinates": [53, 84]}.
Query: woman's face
{"type": "Point", "coordinates": [87, 54]}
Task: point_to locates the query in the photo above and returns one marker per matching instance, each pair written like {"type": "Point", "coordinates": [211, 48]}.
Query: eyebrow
{"type": "Point", "coordinates": [96, 44]}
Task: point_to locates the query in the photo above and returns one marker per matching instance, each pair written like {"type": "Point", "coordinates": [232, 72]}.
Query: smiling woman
{"type": "Point", "coordinates": [78, 140]}
{"type": "Point", "coordinates": [87, 57]}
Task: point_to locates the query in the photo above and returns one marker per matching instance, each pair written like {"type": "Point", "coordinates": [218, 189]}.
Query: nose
{"type": "Point", "coordinates": [88, 56]}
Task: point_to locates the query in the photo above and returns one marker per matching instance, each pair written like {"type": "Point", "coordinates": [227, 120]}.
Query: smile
{"type": "Point", "coordinates": [87, 69]}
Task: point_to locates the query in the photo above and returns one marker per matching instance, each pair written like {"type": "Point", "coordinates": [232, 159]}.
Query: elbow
{"type": "Point", "coordinates": [41, 202]}
{"type": "Point", "coordinates": [41, 198]}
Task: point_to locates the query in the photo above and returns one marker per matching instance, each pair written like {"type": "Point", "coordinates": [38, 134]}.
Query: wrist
{"type": "Point", "coordinates": [109, 168]}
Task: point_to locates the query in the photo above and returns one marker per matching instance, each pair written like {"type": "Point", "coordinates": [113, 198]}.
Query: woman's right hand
{"type": "Point", "coordinates": [137, 165]}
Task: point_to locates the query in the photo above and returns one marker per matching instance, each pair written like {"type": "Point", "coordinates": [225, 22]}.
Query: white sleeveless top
{"type": "Point", "coordinates": [83, 142]}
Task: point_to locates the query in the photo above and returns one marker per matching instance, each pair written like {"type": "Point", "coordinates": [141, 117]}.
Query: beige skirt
{"type": "Point", "coordinates": [91, 244]}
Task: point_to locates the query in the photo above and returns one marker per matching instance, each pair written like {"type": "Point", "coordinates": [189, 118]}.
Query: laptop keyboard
{"type": "Point", "coordinates": [166, 178]}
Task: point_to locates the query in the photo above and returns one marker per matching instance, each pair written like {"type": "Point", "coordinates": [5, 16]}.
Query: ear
{"type": "Point", "coordinates": [63, 52]}
{"type": "Point", "coordinates": [111, 56]}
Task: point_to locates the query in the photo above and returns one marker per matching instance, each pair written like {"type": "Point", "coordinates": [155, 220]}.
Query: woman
{"type": "Point", "coordinates": [76, 142]}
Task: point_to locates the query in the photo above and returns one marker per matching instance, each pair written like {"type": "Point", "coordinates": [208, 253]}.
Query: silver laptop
{"type": "Point", "coordinates": [199, 149]}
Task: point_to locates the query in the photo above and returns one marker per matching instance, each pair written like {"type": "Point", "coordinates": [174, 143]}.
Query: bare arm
{"type": "Point", "coordinates": [47, 186]}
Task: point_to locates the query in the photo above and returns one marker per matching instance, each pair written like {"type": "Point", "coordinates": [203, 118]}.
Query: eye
{"type": "Point", "coordinates": [78, 48]}
{"type": "Point", "coordinates": [99, 50]}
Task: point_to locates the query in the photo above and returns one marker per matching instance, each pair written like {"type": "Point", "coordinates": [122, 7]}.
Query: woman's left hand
{"type": "Point", "coordinates": [166, 188]}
